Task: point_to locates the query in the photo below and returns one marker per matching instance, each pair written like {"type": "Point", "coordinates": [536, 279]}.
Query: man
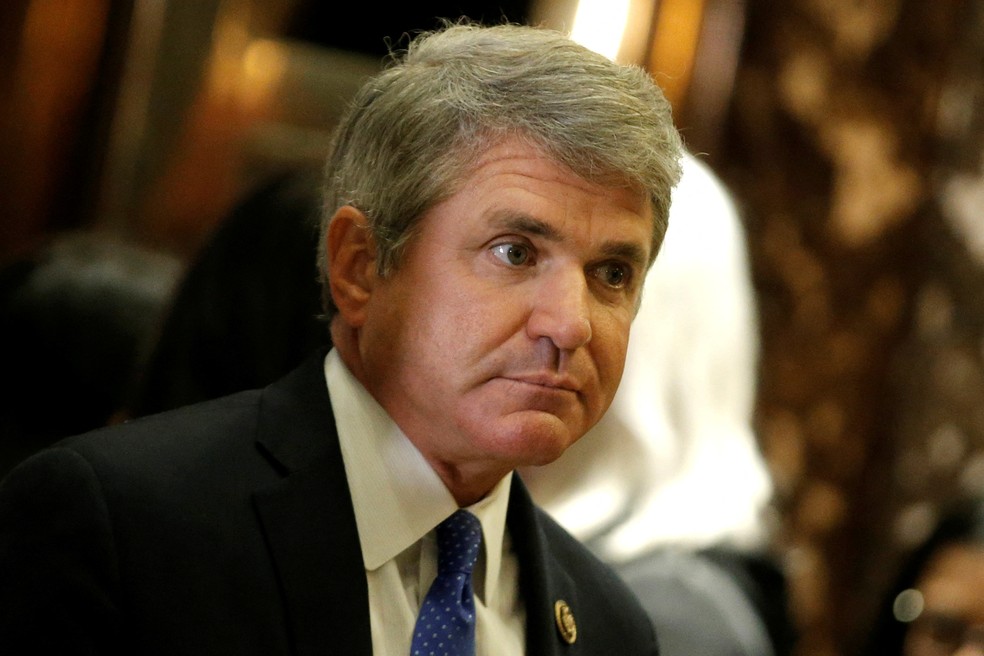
{"type": "Point", "coordinates": [493, 202]}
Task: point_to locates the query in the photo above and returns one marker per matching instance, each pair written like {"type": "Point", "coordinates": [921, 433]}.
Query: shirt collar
{"type": "Point", "coordinates": [398, 498]}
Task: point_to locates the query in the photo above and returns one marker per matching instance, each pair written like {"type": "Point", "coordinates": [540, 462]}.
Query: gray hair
{"type": "Point", "coordinates": [414, 131]}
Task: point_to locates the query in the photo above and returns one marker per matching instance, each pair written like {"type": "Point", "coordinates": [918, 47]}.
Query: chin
{"type": "Point", "coordinates": [533, 440]}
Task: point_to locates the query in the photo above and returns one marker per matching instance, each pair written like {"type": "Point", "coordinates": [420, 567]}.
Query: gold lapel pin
{"type": "Point", "coordinates": [565, 621]}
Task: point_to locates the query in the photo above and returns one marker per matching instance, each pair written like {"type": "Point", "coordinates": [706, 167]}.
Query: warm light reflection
{"type": "Point", "coordinates": [962, 198]}
{"type": "Point", "coordinates": [230, 43]}
{"type": "Point", "coordinates": [600, 25]}
{"type": "Point", "coordinates": [263, 65]}
{"type": "Point", "coordinates": [674, 49]}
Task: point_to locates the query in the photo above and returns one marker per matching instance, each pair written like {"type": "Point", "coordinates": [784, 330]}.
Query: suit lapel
{"type": "Point", "coordinates": [308, 520]}
{"type": "Point", "coordinates": [543, 580]}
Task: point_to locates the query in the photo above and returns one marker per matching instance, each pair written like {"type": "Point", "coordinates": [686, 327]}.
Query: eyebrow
{"type": "Point", "coordinates": [524, 223]}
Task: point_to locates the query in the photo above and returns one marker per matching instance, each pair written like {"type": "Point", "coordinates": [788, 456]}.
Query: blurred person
{"type": "Point", "coordinates": [935, 606]}
{"type": "Point", "coordinates": [670, 485]}
{"type": "Point", "coordinates": [245, 312]}
{"type": "Point", "coordinates": [493, 201]}
{"type": "Point", "coordinates": [76, 314]}
{"type": "Point", "coordinates": [683, 414]}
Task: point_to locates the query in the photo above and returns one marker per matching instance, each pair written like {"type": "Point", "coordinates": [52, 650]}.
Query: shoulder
{"type": "Point", "coordinates": [223, 446]}
{"type": "Point", "coordinates": [156, 460]}
{"type": "Point", "coordinates": [562, 574]}
{"type": "Point", "coordinates": [604, 607]}
{"type": "Point", "coordinates": [177, 438]}
{"type": "Point", "coordinates": [586, 567]}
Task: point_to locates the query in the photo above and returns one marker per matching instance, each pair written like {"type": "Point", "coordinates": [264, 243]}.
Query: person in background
{"type": "Point", "coordinates": [494, 199]}
{"type": "Point", "coordinates": [670, 485]}
{"type": "Point", "coordinates": [246, 311]}
{"type": "Point", "coordinates": [935, 606]}
{"type": "Point", "coordinates": [75, 314]}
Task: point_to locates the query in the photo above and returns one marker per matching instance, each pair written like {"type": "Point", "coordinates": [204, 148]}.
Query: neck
{"type": "Point", "coordinates": [467, 485]}
{"type": "Point", "coordinates": [467, 482]}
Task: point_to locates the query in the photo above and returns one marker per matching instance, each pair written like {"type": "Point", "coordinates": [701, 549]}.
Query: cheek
{"type": "Point", "coordinates": [608, 358]}
{"type": "Point", "coordinates": [610, 342]}
{"type": "Point", "coordinates": [445, 334]}
{"type": "Point", "coordinates": [474, 319]}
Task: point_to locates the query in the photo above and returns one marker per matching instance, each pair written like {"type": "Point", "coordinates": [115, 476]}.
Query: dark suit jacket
{"type": "Point", "coordinates": [227, 528]}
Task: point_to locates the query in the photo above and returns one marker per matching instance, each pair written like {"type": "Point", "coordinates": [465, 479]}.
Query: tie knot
{"type": "Point", "coordinates": [459, 538]}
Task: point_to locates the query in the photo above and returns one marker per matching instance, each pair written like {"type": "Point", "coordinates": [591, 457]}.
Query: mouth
{"type": "Point", "coordinates": [545, 382]}
{"type": "Point", "coordinates": [552, 394]}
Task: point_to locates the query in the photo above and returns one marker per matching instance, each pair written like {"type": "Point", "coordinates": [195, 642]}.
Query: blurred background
{"type": "Point", "coordinates": [850, 133]}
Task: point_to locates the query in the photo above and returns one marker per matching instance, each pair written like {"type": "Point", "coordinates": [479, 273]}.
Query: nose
{"type": "Point", "coordinates": [561, 309]}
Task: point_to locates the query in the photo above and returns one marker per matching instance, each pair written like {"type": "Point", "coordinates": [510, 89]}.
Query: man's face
{"type": "Point", "coordinates": [952, 620]}
{"type": "Point", "coordinates": [500, 337]}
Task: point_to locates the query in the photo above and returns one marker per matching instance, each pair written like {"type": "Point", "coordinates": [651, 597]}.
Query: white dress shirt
{"type": "Point", "coordinates": [398, 500]}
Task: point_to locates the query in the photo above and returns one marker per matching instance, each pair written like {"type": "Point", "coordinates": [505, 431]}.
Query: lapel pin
{"type": "Point", "coordinates": [565, 621]}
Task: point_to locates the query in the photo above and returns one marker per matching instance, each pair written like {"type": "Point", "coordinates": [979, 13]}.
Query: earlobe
{"type": "Point", "coordinates": [351, 254]}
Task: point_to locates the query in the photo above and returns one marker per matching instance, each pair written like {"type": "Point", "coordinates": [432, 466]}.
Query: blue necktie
{"type": "Point", "coordinates": [446, 623]}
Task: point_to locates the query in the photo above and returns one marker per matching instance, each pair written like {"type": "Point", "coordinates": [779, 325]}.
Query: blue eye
{"type": "Point", "coordinates": [513, 254]}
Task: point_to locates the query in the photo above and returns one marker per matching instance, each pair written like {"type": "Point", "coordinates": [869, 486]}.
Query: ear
{"type": "Point", "coordinates": [351, 253]}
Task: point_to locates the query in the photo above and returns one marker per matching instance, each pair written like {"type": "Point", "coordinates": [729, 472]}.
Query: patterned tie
{"type": "Point", "coordinates": [446, 624]}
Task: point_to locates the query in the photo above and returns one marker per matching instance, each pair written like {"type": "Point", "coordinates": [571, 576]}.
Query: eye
{"type": "Point", "coordinates": [513, 254]}
{"type": "Point", "coordinates": [614, 274]}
